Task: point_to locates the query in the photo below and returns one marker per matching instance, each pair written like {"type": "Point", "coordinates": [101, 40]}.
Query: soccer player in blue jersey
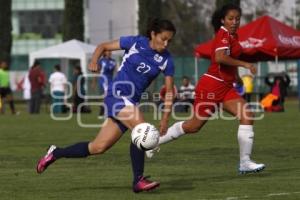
{"type": "Point", "coordinates": [106, 66]}
{"type": "Point", "coordinates": [144, 58]}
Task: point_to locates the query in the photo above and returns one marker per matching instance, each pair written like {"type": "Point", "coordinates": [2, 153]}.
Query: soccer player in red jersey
{"type": "Point", "coordinates": [215, 88]}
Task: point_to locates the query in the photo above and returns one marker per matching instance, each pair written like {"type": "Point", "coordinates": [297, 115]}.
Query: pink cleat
{"type": "Point", "coordinates": [145, 185]}
{"type": "Point", "coordinates": [45, 161]}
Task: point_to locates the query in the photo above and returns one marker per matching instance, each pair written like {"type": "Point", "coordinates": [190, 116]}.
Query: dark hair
{"type": "Point", "coordinates": [57, 67]}
{"type": "Point", "coordinates": [185, 77]}
{"type": "Point", "coordinates": [159, 25]}
{"type": "Point", "coordinates": [78, 68]}
{"type": "Point", "coordinates": [2, 62]}
{"type": "Point", "coordinates": [36, 63]}
{"type": "Point", "coordinates": [221, 13]}
{"type": "Point", "coordinates": [278, 78]}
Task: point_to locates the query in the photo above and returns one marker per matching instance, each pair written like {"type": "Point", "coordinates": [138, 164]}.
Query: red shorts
{"type": "Point", "coordinates": [209, 93]}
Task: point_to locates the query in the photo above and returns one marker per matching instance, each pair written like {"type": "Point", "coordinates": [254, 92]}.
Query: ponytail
{"type": "Point", "coordinates": [216, 20]}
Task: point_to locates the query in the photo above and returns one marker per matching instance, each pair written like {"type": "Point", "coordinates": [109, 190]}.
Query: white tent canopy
{"type": "Point", "coordinates": [72, 49]}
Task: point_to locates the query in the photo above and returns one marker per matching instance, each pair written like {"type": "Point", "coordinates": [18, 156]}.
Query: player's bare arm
{"type": "Point", "coordinates": [222, 58]}
{"type": "Point", "coordinates": [169, 83]}
{"type": "Point", "coordinates": [107, 46]}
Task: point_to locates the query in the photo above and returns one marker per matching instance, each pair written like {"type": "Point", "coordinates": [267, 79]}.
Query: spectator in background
{"type": "Point", "coordinates": [106, 67]}
{"type": "Point", "coordinates": [78, 83]}
{"type": "Point", "coordinates": [186, 93]}
{"type": "Point", "coordinates": [163, 93]}
{"type": "Point", "coordinates": [58, 88]}
{"type": "Point", "coordinates": [248, 86]}
{"type": "Point", "coordinates": [278, 87]}
{"type": "Point", "coordinates": [26, 91]}
{"type": "Point", "coordinates": [37, 81]}
{"type": "Point", "coordinates": [5, 90]}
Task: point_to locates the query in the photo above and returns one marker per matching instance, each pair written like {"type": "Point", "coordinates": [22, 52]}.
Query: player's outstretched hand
{"type": "Point", "coordinates": [93, 67]}
{"type": "Point", "coordinates": [251, 67]}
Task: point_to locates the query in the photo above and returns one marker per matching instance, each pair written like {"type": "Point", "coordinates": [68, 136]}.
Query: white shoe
{"type": "Point", "coordinates": [250, 166]}
{"type": "Point", "coordinates": [150, 153]}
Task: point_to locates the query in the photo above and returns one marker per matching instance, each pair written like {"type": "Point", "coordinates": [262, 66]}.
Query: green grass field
{"type": "Point", "coordinates": [198, 167]}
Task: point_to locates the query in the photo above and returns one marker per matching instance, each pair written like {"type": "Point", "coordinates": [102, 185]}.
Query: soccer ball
{"type": "Point", "coordinates": [145, 136]}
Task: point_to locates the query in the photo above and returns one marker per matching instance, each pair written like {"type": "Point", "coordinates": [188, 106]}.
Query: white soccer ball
{"type": "Point", "coordinates": [145, 136]}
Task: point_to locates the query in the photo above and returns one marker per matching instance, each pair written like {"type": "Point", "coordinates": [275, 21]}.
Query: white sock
{"type": "Point", "coordinates": [245, 138]}
{"type": "Point", "coordinates": [174, 132]}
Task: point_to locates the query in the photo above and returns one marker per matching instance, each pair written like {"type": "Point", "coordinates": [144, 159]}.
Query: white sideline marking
{"type": "Point", "coordinates": [249, 197]}
{"type": "Point", "coordinates": [278, 194]}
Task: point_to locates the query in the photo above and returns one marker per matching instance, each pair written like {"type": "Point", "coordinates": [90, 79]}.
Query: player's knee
{"type": "Point", "coordinates": [247, 118]}
{"type": "Point", "coordinates": [98, 148]}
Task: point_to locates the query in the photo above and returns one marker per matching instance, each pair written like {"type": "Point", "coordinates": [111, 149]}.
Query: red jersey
{"type": "Point", "coordinates": [224, 40]}
{"type": "Point", "coordinates": [37, 79]}
{"type": "Point", "coordinates": [163, 91]}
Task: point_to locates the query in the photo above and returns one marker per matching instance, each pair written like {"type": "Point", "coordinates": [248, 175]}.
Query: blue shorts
{"type": "Point", "coordinates": [114, 105]}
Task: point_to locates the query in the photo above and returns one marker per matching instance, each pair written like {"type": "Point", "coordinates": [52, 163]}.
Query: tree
{"type": "Point", "coordinates": [278, 9]}
{"type": "Point", "coordinates": [5, 30]}
{"type": "Point", "coordinates": [148, 9]}
{"type": "Point", "coordinates": [297, 14]}
{"type": "Point", "coordinates": [182, 14]}
{"type": "Point", "coordinates": [73, 27]}
{"type": "Point", "coordinates": [220, 3]}
{"type": "Point", "coordinates": [190, 17]}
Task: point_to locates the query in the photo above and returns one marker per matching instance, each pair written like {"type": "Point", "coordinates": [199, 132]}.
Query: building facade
{"type": "Point", "coordinates": [110, 19]}
{"type": "Point", "coordinates": [37, 24]}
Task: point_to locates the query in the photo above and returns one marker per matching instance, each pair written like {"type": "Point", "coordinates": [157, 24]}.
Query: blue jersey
{"type": "Point", "coordinates": [140, 66]}
{"type": "Point", "coordinates": [107, 66]}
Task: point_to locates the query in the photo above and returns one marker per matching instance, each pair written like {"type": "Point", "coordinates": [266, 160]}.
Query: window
{"type": "Point", "coordinates": [46, 23]}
